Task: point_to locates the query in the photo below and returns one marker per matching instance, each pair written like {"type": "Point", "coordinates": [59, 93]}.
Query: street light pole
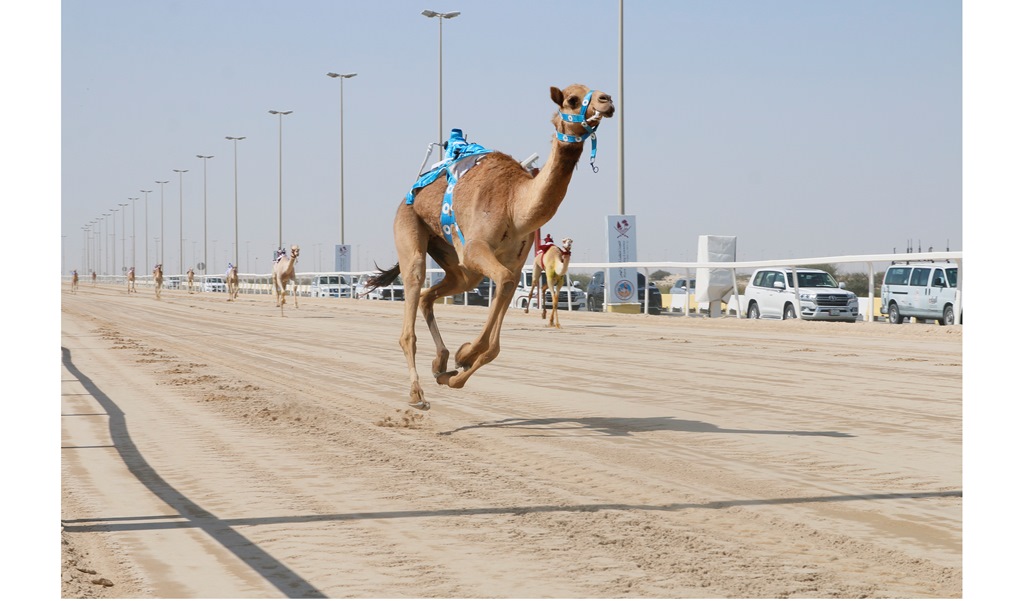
{"type": "Point", "coordinates": [106, 228]}
{"type": "Point", "coordinates": [181, 214]}
{"type": "Point", "coordinates": [112, 251]}
{"type": "Point", "coordinates": [161, 261]}
{"type": "Point", "coordinates": [280, 119]}
{"type": "Point", "coordinates": [206, 266]}
{"type": "Point", "coordinates": [146, 238]}
{"type": "Point", "coordinates": [234, 141]}
{"type": "Point", "coordinates": [135, 257]}
{"type": "Point", "coordinates": [341, 77]}
{"type": "Point", "coordinates": [124, 267]}
{"type": "Point", "coordinates": [440, 82]}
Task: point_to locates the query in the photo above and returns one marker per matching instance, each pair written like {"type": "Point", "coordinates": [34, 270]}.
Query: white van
{"type": "Point", "coordinates": [920, 290]}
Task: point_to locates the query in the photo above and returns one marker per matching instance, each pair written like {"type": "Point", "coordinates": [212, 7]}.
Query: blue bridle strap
{"type": "Point", "coordinates": [581, 118]}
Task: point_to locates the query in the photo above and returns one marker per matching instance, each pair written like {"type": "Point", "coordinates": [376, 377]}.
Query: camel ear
{"type": "Point", "coordinates": [557, 96]}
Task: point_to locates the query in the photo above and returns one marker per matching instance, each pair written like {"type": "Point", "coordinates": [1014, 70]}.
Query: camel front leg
{"type": "Point", "coordinates": [554, 306]}
{"type": "Point", "coordinates": [295, 292]}
{"type": "Point", "coordinates": [471, 356]}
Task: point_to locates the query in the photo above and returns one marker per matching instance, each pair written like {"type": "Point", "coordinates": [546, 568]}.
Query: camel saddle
{"type": "Point", "coordinates": [459, 157]}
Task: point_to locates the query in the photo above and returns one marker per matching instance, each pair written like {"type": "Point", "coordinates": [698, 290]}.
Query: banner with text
{"type": "Point", "coordinates": [621, 281]}
{"type": "Point", "coordinates": [342, 257]}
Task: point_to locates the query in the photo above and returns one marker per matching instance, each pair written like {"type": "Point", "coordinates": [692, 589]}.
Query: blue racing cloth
{"type": "Point", "coordinates": [459, 157]}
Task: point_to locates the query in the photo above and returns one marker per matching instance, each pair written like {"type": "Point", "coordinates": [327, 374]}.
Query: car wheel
{"type": "Point", "coordinates": [789, 312]}
{"type": "Point", "coordinates": [894, 314]}
{"type": "Point", "coordinates": [947, 316]}
{"type": "Point", "coordinates": [753, 312]}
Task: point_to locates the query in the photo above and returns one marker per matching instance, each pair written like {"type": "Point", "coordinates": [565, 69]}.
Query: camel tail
{"type": "Point", "coordinates": [382, 277]}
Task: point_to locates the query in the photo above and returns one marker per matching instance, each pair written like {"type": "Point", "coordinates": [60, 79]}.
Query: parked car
{"type": "Point", "coordinates": [214, 283]}
{"type": "Point", "coordinates": [569, 294]}
{"type": "Point", "coordinates": [172, 282]}
{"type": "Point", "coordinates": [333, 286]}
{"type": "Point", "coordinates": [393, 291]}
{"type": "Point", "coordinates": [770, 293]}
{"type": "Point", "coordinates": [595, 293]}
{"type": "Point", "coordinates": [680, 291]}
{"type": "Point", "coordinates": [920, 290]}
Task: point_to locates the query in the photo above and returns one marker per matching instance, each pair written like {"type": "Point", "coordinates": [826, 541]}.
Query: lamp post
{"type": "Point", "coordinates": [161, 260]}
{"type": "Point", "coordinates": [124, 267]}
{"type": "Point", "coordinates": [85, 247]}
{"type": "Point", "coordinates": [181, 214]}
{"type": "Point", "coordinates": [440, 82]}
{"type": "Point", "coordinates": [106, 250]}
{"type": "Point", "coordinates": [341, 77]}
{"type": "Point", "coordinates": [135, 257]}
{"type": "Point", "coordinates": [280, 119]}
{"type": "Point", "coordinates": [234, 141]}
{"type": "Point", "coordinates": [146, 237]}
{"type": "Point", "coordinates": [206, 266]}
{"type": "Point", "coordinates": [112, 249]}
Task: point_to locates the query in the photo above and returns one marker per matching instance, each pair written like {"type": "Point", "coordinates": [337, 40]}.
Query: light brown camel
{"type": "Point", "coordinates": [552, 264]}
{"type": "Point", "coordinates": [131, 281]}
{"type": "Point", "coordinates": [499, 206]}
{"type": "Point", "coordinates": [191, 279]}
{"type": "Point", "coordinates": [232, 283]}
{"type": "Point", "coordinates": [284, 271]}
{"type": "Point", "coordinates": [94, 279]}
{"type": "Point", "coordinates": [74, 281]}
{"type": "Point", "coordinates": [158, 279]}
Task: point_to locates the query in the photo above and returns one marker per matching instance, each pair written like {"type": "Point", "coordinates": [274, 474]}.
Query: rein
{"type": "Point", "coordinates": [581, 118]}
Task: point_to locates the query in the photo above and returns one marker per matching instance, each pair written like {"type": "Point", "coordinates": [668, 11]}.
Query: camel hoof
{"type": "Point", "coordinates": [443, 379]}
{"type": "Point", "coordinates": [424, 405]}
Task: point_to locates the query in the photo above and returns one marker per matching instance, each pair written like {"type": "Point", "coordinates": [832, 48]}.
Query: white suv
{"type": "Point", "coordinates": [770, 293]}
{"type": "Point", "coordinates": [920, 290]}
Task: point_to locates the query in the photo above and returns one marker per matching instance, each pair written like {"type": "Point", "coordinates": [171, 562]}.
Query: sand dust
{"type": "Point", "coordinates": [215, 449]}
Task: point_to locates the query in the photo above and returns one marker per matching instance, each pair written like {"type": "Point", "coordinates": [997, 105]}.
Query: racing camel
{"type": "Point", "coordinates": [131, 281]}
{"type": "Point", "coordinates": [191, 279]}
{"type": "Point", "coordinates": [158, 279]}
{"type": "Point", "coordinates": [284, 271]}
{"type": "Point", "coordinates": [495, 210]}
{"type": "Point", "coordinates": [74, 281]}
{"type": "Point", "coordinates": [232, 283]}
{"type": "Point", "coordinates": [551, 265]}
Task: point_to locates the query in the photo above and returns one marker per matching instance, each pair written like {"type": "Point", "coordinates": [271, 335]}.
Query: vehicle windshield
{"type": "Point", "coordinates": [813, 280]}
{"type": "Point", "coordinates": [329, 280]}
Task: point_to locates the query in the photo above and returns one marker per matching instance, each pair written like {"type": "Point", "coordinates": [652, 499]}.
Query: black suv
{"type": "Point", "coordinates": [595, 293]}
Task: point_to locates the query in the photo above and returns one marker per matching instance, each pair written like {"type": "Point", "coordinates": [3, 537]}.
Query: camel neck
{"type": "Point", "coordinates": [547, 189]}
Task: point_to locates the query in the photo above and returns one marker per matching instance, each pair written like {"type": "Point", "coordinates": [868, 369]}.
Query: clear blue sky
{"type": "Point", "coordinates": [799, 126]}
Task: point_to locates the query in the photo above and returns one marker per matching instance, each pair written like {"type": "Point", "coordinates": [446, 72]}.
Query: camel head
{"type": "Point", "coordinates": [566, 244]}
{"type": "Point", "coordinates": [295, 251]}
{"type": "Point", "coordinates": [580, 111]}
{"type": "Point", "coordinates": [570, 100]}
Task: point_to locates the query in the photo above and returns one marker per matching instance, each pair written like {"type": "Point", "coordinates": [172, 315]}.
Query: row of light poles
{"type": "Point", "coordinates": [341, 77]}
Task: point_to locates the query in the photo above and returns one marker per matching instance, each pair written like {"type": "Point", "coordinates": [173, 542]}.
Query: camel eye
{"type": "Point", "coordinates": [574, 102]}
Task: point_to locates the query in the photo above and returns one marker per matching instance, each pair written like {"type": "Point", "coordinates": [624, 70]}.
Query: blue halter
{"type": "Point", "coordinates": [581, 118]}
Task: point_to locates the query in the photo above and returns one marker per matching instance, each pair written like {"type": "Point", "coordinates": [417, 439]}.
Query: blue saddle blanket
{"type": "Point", "coordinates": [459, 157]}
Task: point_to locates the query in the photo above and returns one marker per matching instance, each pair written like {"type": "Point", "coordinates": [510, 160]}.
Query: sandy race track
{"type": "Point", "coordinates": [217, 449]}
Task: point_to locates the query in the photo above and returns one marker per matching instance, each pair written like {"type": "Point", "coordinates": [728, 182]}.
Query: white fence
{"type": "Point", "coordinates": [254, 283]}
